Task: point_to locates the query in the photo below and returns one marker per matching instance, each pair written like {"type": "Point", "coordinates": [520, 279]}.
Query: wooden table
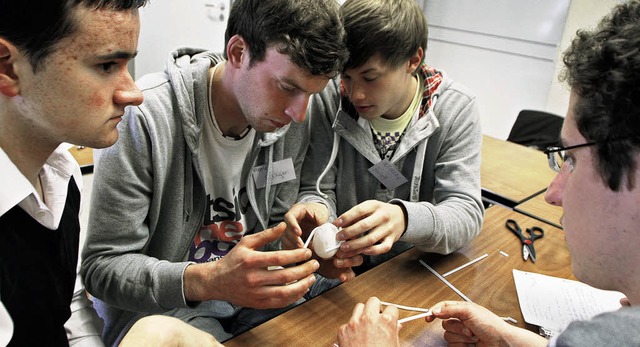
{"type": "Point", "coordinates": [403, 280]}
{"type": "Point", "coordinates": [537, 208]}
{"type": "Point", "coordinates": [84, 156]}
{"type": "Point", "coordinates": [511, 173]}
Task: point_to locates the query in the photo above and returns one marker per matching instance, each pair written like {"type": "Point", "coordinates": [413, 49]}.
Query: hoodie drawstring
{"type": "Point", "coordinates": [269, 180]}
{"type": "Point", "coordinates": [414, 195]}
{"type": "Point", "coordinates": [332, 159]}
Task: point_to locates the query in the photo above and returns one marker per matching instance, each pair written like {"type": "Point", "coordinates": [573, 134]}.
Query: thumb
{"type": "Point", "coordinates": [452, 309]}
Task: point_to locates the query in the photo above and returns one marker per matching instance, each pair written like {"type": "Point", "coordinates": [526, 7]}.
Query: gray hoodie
{"type": "Point", "coordinates": [148, 198]}
{"type": "Point", "coordinates": [439, 155]}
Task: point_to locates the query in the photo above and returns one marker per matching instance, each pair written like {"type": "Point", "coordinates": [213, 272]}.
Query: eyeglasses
{"type": "Point", "coordinates": [557, 156]}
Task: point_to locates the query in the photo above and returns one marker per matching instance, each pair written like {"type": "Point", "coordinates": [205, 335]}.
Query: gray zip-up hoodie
{"type": "Point", "coordinates": [439, 155]}
{"type": "Point", "coordinates": [148, 196]}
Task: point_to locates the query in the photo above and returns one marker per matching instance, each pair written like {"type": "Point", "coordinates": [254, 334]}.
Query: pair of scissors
{"type": "Point", "coordinates": [528, 251]}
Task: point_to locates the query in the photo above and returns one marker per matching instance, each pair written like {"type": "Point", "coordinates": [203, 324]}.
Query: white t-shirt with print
{"type": "Point", "coordinates": [225, 221]}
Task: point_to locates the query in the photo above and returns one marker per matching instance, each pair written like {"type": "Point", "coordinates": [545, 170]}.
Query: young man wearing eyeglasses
{"type": "Point", "coordinates": [598, 186]}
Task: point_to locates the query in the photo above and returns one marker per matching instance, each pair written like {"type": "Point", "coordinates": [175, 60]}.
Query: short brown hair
{"type": "Point", "coordinates": [36, 26]}
{"type": "Point", "coordinates": [394, 29]}
{"type": "Point", "coordinates": [308, 31]}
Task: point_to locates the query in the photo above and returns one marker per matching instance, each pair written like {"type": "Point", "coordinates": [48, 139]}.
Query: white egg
{"type": "Point", "coordinates": [325, 243]}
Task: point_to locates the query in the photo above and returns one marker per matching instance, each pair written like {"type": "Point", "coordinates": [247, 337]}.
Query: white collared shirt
{"type": "Point", "coordinates": [17, 190]}
{"type": "Point", "coordinates": [55, 176]}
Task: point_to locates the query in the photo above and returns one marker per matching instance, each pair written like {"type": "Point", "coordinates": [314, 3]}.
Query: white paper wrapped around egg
{"type": "Point", "coordinates": [325, 244]}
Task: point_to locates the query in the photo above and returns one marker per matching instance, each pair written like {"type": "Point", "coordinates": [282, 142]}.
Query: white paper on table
{"type": "Point", "coordinates": [553, 303]}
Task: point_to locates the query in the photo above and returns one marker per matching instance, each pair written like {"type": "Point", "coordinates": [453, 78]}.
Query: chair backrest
{"type": "Point", "coordinates": [537, 129]}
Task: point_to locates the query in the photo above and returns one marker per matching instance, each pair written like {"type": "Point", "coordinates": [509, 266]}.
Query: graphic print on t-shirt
{"type": "Point", "coordinates": [223, 227]}
{"type": "Point", "coordinates": [222, 162]}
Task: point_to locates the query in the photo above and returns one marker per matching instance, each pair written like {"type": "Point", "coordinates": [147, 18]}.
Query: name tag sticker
{"type": "Point", "coordinates": [282, 171]}
{"type": "Point", "coordinates": [388, 174]}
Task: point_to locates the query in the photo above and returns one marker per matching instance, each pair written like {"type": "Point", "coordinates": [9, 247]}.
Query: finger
{"type": "Point", "coordinates": [356, 229]}
{"type": "Point", "coordinates": [343, 332]}
{"type": "Point", "coordinates": [377, 241]}
{"type": "Point", "coordinates": [262, 260]}
{"type": "Point", "coordinates": [625, 301]}
{"type": "Point", "coordinates": [343, 263]}
{"type": "Point", "coordinates": [287, 275]}
{"type": "Point", "coordinates": [429, 318]}
{"type": "Point", "coordinates": [460, 310]}
{"type": "Point", "coordinates": [391, 313]}
{"type": "Point", "coordinates": [362, 240]}
{"type": "Point", "coordinates": [355, 214]}
{"type": "Point", "coordinates": [379, 248]}
{"type": "Point", "coordinates": [358, 310]}
{"type": "Point", "coordinates": [260, 239]}
{"type": "Point", "coordinates": [292, 217]}
{"type": "Point", "coordinates": [461, 340]}
{"type": "Point", "coordinates": [347, 275]}
{"type": "Point", "coordinates": [373, 306]}
{"type": "Point", "coordinates": [378, 223]}
{"type": "Point", "coordinates": [282, 295]}
{"type": "Point", "coordinates": [341, 254]}
{"type": "Point", "coordinates": [291, 241]}
{"type": "Point", "coordinates": [437, 309]}
{"type": "Point", "coordinates": [456, 327]}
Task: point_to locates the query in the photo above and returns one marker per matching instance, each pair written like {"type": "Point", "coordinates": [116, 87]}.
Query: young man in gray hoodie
{"type": "Point", "coordinates": [186, 203]}
{"type": "Point", "coordinates": [404, 167]}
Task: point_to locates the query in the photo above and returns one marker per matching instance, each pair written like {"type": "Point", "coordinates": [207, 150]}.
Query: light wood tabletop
{"type": "Point", "coordinates": [403, 280]}
{"type": "Point", "coordinates": [538, 208]}
{"type": "Point", "coordinates": [84, 156]}
{"type": "Point", "coordinates": [513, 172]}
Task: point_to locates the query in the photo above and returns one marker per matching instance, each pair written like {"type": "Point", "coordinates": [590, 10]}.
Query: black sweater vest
{"type": "Point", "coordinates": [38, 271]}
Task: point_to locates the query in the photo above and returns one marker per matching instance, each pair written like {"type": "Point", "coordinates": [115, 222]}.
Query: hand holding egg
{"type": "Point", "coordinates": [325, 243]}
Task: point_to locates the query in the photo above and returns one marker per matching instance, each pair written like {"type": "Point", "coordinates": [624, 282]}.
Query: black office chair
{"type": "Point", "coordinates": [536, 129]}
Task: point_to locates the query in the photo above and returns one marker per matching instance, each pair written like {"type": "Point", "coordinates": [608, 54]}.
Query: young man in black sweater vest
{"type": "Point", "coordinates": [63, 79]}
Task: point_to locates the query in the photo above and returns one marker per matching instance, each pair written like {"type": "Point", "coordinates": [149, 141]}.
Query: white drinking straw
{"type": "Point", "coordinates": [445, 281]}
{"type": "Point", "coordinates": [465, 265]}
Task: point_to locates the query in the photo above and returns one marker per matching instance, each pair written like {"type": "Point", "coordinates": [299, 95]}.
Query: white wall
{"type": "Point", "coordinates": [168, 24]}
{"type": "Point", "coordinates": [583, 14]}
{"type": "Point", "coordinates": [508, 51]}
{"type": "Point", "coordinates": [504, 50]}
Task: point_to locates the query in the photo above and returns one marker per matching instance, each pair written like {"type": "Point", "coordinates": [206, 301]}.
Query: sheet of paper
{"type": "Point", "coordinates": [553, 303]}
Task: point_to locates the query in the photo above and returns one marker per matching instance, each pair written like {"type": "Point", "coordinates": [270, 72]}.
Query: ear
{"type": "Point", "coordinates": [9, 85]}
{"type": "Point", "coordinates": [415, 60]}
{"type": "Point", "coordinates": [237, 51]}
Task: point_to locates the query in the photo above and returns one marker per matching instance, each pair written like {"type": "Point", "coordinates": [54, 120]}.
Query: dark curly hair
{"type": "Point", "coordinates": [602, 67]}
{"type": "Point", "coordinates": [308, 31]}
{"type": "Point", "coordinates": [36, 26]}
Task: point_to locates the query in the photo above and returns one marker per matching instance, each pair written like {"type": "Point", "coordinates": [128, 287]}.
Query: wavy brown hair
{"type": "Point", "coordinates": [308, 31]}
